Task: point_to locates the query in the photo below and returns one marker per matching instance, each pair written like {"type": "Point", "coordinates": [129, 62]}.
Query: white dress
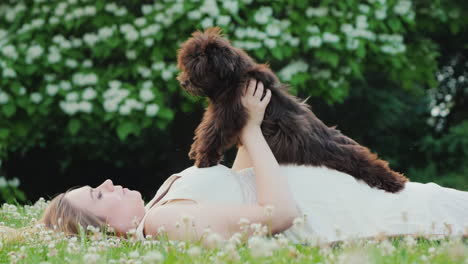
{"type": "Point", "coordinates": [337, 206]}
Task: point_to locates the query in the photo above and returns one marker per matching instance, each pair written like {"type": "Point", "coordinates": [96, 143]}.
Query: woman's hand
{"type": "Point", "coordinates": [252, 101]}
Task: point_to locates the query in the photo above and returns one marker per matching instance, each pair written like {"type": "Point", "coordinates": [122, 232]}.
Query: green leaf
{"type": "Point", "coordinates": [125, 128]}
{"type": "Point", "coordinates": [9, 109]}
{"type": "Point", "coordinates": [277, 53]}
{"type": "Point", "coordinates": [4, 133]}
{"type": "Point", "coordinates": [328, 57]}
{"type": "Point", "coordinates": [74, 126]}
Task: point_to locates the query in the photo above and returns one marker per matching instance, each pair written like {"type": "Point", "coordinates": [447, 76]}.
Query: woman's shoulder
{"type": "Point", "coordinates": [214, 170]}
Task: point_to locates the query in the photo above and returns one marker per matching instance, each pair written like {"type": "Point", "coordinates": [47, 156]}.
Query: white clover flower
{"type": "Point", "coordinates": [54, 20]}
{"type": "Point", "coordinates": [141, 21]}
{"type": "Point", "coordinates": [147, 85]}
{"type": "Point", "coordinates": [152, 110]}
{"type": "Point", "coordinates": [131, 35]}
{"type": "Point", "coordinates": [207, 22]}
{"type": "Point", "coordinates": [231, 6]}
{"type": "Point", "coordinates": [22, 90]}
{"type": "Point", "coordinates": [146, 95]}
{"type": "Point", "coordinates": [79, 12]}
{"type": "Point", "coordinates": [146, 9]}
{"type": "Point", "coordinates": [38, 22]}
{"type": "Point", "coordinates": [76, 42]}
{"type": "Point", "coordinates": [89, 94]}
{"type": "Point", "coordinates": [223, 20]}
{"type": "Point", "coordinates": [90, 39]}
{"type": "Point", "coordinates": [10, 51]}
{"type": "Point", "coordinates": [195, 14]}
{"type": "Point", "coordinates": [9, 72]}
{"type": "Point", "coordinates": [273, 30]}
{"type": "Point", "coordinates": [36, 97]}
{"type": "Point", "coordinates": [4, 97]}
{"type": "Point", "coordinates": [294, 42]}
{"type": "Point", "coordinates": [71, 63]}
{"type": "Point", "coordinates": [402, 7]}
{"type": "Point", "coordinates": [364, 8]}
{"type": "Point", "coordinates": [263, 15]}
{"type": "Point", "coordinates": [210, 7]}
{"type": "Point", "coordinates": [153, 257]}
{"type": "Point", "coordinates": [149, 42]}
{"type": "Point", "coordinates": [144, 72]}
{"type": "Point", "coordinates": [240, 33]}
{"type": "Point", "coordinates": [330, 37]}
{"type": "Point", "coordinates": [52, 89]}
{"type": "Point", "coordinates": [34, 52]}
{"type": "Point", "coordinates": [317, 12]}
{"type": "Point", "coordinates": [312, 29]}
{"type": "Point", "coordinates": [73, 96]}
{"type": "Point", "coordinates": [65, 85]}
{"type": "Point", "coordinates": [270, 43]}
{"type": "Point", "coordinates": [347, 28]}
{"type": "Point", "coordinates": [314, 41]}
{"type": "Point", "coordinates": [85, 106]}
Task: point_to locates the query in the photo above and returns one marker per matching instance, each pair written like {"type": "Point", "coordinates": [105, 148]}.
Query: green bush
{"type": "Point", "coordinates": [103, 67]}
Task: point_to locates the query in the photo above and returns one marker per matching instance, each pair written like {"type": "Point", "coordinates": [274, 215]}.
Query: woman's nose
{"type": "Point", "coordinates": [108, 185]}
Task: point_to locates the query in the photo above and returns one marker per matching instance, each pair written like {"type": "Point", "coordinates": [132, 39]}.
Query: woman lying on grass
{"type": "Point", "coordinates": [337, 205]}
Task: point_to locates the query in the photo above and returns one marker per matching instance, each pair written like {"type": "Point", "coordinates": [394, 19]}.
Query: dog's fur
{"type": "Point", "coordinates": [210, 66]}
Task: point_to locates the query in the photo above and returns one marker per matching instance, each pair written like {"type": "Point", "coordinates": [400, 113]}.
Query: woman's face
{"type": "Point", "coordinates": [122, 208]}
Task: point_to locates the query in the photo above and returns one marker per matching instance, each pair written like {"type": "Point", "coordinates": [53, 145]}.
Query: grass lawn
{"type": "Point", "coordinates": [45, 246]}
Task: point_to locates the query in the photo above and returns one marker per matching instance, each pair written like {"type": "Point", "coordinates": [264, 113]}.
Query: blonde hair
{"type": "Point", "coordinates": [59, 215]}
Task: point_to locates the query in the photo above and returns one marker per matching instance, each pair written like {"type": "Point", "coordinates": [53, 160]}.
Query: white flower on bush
{"type": "Point", "coordinates": [34, 52]}
{"type": "Point", "coordinates": [36, 97]}
{"type": "Point", "coordinates": [312, 29]}
{"type": "Point", "coordinates": [273, 30]}
{"type": "Point", "coordinates": [131, 54]}
{"type": "Point", "coordinates": [195, 14]}
{"type": "Point", "coordinates": [223, 20]}
{"type": "Point", "coordinates": [263, 15]}
{"type": "Point", "coordinates": [9, 51]}
{"type": "Point", "coordinates": [111, 7]}
{"type": "Point", "coordinates": [381, 13]}
{"type": "Point", "coordinates": [9, 72]}
{"type": "Point", "coordinates": [330, 37]}
{"type": "Point", "coordinates": [105, 32]}
{"type": "Point", "coordinates": [207, 22]}
{"type": "Point", "coordinates": [65, 85]}
{"type": "Point", "coordinates": [141, 21]}
{"type": "Point", "coordinates": [149, 42]}
{"type": "Point", "coordinates": [111, 105]}
{"type": "Point", "coordinates": [317, 12]}
{"type": "Point", "coordinates": [314, 41]}
{"type": "Point", "coordinates": [4, 97]}
{"type": "Point", "coordinates": [291, 69]}
{"type": "Point", "coordinates": [352, 43]}
{"type": "Point", "coordinates": [152, 110]}
{"type": "Point", "coordinates": [210, 8]}
{"type": "Point", "coordinates": [90, 39]}
{"type": "Point", "coordinates": [71, 63]}
{"type": "Point", "coordinates": [85, 107]}
{"type": "Point", "coordinates": [146, 95]}
{"type": "Point", "coordinates": [231, 6]}
{"type": "Point", "coordinates": [270, 43]}
{"type": "Point", "coordinates": [87, 63]}
{"type": "Point", "coordinates": [14, 182]}
{"type": "Point", "coordinates": [3, 183]}
{"type": "Point", "coordinates": [73, 96]}
{"type": "Point", "coordinates": [54, 57]}
{"type": "Point", "coordinates": [115, 84]}
{"type": "Point", "coordinates": [38, 22]}
{"type": "Point", "coordinates": [90, 10]}
{"type": "Point", "coordinates": [402, 7]}
{"type": "Point", "coordinates": [364, 8]}
{"type": "Point", "coordinates": [84, 79]}
{"type": "Point", "coordinates": [150, 30]}
{"type": "Point", "coordinates": [144, 72]}
{"type": "Point", "coordinates": [157, 66]}
{"type": "Point", "coordinates": [52, 89]}
{"type": "Point", "coordinates": [146, 9]}
{"type": "Point", "coordinates": [361, 22]}
{"type": "Point", "coordinates": [89, 94]}
{"type": "Point", "coordinates": [166, 75]}
{"type": "Point", "coordinates": [125, 109]}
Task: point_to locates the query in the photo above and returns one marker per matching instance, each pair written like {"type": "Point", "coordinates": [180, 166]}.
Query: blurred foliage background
{"type": "Point", "coordinates": [88, 89]}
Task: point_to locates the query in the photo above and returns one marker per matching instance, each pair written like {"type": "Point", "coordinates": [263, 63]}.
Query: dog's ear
{"type": "Point", "coordinates": [223, 60]}
{"type": "Point", "coordinates": [262, 72]}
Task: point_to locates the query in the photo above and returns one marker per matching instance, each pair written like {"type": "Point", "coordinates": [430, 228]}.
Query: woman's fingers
{"type": "Point", "coordinates": [259, 92]}
{"type": "Point", "coordinates": [267, 97]}
{"type": "Point", "coordinates": [251, 88]}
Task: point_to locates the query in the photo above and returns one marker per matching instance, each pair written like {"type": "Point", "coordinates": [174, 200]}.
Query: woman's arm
{"type": "Point", "coordinates": [272, 189]}
{"type": "Point", "coordinates": [242, 160]}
